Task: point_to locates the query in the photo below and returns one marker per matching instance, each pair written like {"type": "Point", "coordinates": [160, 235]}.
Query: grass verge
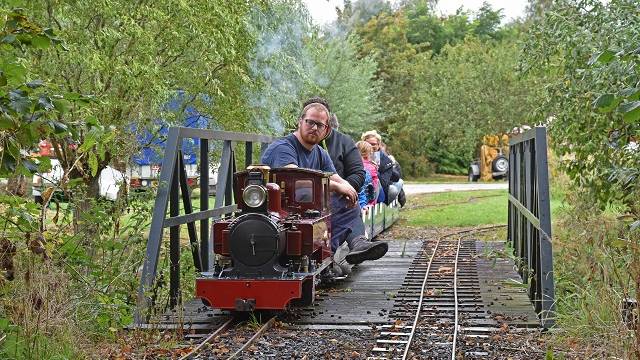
{"type": "Point", "coordinates": [464, 208]}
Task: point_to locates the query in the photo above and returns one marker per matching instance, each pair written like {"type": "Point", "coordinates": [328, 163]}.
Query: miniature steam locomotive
{"type": "Point", "coordinates": [272, 254]}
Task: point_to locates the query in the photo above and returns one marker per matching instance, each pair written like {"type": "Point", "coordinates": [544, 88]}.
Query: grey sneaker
{"type": "Point", "coordinates": [363, 250]}
{"type": "Point", "coordinates": [340, 269]}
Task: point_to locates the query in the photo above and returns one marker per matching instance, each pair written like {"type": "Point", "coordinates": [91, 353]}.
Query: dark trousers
{"type": "Point", "coordinates": [346, 222]}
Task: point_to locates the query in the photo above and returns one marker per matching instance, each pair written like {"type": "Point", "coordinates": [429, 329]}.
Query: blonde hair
{"type": "Point", "coordinates": [365, 148]}
{"type": "Point", "coordinates": [370, 134]}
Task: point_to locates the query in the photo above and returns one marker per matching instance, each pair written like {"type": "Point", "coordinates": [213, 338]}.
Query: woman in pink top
{"type": "Point", "coordinates": [369, 166]}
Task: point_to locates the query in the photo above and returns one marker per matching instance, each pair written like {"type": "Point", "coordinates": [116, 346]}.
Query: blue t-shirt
{"type": "Point", "coordinates": [289, 150]}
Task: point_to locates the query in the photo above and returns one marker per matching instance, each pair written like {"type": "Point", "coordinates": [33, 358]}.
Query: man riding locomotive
{"type": "Point", "coordinates": [301, 149]}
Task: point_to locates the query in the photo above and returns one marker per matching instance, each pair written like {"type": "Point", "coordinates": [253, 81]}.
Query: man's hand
{"type": "Point", "coordinates": [345, 189]}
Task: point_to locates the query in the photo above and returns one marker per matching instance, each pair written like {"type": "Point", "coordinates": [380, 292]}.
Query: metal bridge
{"type": "Point", "coordinates": [529, 230]}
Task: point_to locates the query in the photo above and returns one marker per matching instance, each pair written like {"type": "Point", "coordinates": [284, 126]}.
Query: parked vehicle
{"type": "Point", "coordinates": [493, 162]}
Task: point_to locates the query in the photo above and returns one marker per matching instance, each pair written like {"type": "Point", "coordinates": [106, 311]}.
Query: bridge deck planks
{"type": "Point", "coordinates": [499, 284]}
{"type": "Point", "coordinates": [367, 296]}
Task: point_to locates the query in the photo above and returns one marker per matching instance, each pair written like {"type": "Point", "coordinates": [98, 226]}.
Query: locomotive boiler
{"type": "Point", "coordinates": [272, 253]}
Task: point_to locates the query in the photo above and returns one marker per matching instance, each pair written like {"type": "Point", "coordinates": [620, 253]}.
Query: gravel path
{"type": "Point", "coordinates": [414, 189]}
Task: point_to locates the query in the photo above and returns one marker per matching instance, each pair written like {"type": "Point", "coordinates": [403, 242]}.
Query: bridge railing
{"type": "Point", "coordinates": [172, 186]}
{"type": "Point", "coordinates": [529, 218]}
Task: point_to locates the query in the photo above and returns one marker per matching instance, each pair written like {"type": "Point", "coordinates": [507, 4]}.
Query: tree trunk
{"type": "Point", "coordinates": [83, 203]}
{"type": "Point", "coordinates": [7, 252]}
{"type": "Point", "coordinates": [17, 185]}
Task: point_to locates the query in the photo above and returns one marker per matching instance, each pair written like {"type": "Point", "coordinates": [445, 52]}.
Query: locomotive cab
{"type": "Point", "coordinates": [289, 191]}
{"type": "Point", "coordinates": [305, 192]}
{"type": "Point", "coordinates": [280, 237]}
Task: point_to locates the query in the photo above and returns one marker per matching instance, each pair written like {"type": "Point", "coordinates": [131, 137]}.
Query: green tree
{"type": "Point", "coordinates": [591, 94]}
{"type": "Point", "coordinates": [385, 37]}
{"type": "Point", "coordinates": [281, 66]}
{"type": "Point", "coordinates": [536, 8]}
{"type": "Point", "coordinates": [29, 107]}
{"type": "Point", "coordinates": [431, 32]}
{"type": "Point", "coordinates": [469, 90]}
{"type": "Point", "coordinates": [487, 22]}
{"type": "Point", "coordinates": [403, 43]}
{"type": "Point", "coordinates": [347, 82]}
{"type": "Point", "coordinates": [30, 110]}
{"type": "Point", "coordinates": [133, 56]}
{"type": "Point", "coordinates": [586, 56]}
{"type": "Point", "coordinates": [359, 12]}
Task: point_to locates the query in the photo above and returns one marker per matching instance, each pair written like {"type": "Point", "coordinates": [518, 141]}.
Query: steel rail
{"type": "Point", "coordinates": [468, 232]}
{"type": "Point", "coordinates": [411, 329]}
{"type": "Point", "coordinates": [417, 317]}
{"type": "Point", "coordinates": [455, 286]}
{"type": "Point", "coordinates": [455, 301]}
{"type": "Point", "coordinates": [207, 340]}
{"type": "Point", "coordinates": [264, 328]}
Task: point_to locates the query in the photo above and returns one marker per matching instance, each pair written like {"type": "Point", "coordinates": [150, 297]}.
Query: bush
{"type": "Point", "coordinates": [596, 267]}
{"type": "Point", "coordinates": [38, 314]}
{"type": "Point", "coordinates": [73, 287]}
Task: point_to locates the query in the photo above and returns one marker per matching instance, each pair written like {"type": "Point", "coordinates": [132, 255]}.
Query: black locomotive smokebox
{"type": "Point", "coordinates": [254, 241]}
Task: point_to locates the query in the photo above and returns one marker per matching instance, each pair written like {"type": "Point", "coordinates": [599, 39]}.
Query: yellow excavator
{"type": "Point", "coordinates": [493, 162]}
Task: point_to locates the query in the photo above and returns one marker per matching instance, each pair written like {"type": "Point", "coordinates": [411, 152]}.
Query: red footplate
{"type": "Point", "coordinates": [263, 294]}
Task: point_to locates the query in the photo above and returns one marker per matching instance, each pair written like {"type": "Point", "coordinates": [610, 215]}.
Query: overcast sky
{"type": "Point", "coordinates": [323, 11]}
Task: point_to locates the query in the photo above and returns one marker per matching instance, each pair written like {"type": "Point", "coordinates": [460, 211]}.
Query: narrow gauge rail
{"type": "Point", "coordinates": [227, 327]}
{"type": "Point", "coordinates": [441, 284]}
{"type": "Point", "coordinates": [191, 354]}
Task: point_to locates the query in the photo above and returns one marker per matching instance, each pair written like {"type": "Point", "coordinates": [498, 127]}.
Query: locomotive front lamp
{"type": "Point", "coordinates": [254, 195]}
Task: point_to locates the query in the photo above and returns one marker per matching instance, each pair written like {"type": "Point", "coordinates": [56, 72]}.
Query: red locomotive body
{"type": "Point", "coordinates": [273, 252]}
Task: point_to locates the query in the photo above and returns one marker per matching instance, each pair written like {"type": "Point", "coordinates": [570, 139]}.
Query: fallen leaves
{"type": "Point", "coordinates": [430, 292]}
{"type": "Point", "coordinates": [504, 328]}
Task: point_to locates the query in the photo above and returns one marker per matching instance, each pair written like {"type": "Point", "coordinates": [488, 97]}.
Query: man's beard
{"type": "Point", "coordinates": [311, 137]}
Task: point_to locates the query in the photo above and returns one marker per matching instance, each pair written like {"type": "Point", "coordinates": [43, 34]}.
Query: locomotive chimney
{"type": "Point", "coordinates": [275, 202]}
